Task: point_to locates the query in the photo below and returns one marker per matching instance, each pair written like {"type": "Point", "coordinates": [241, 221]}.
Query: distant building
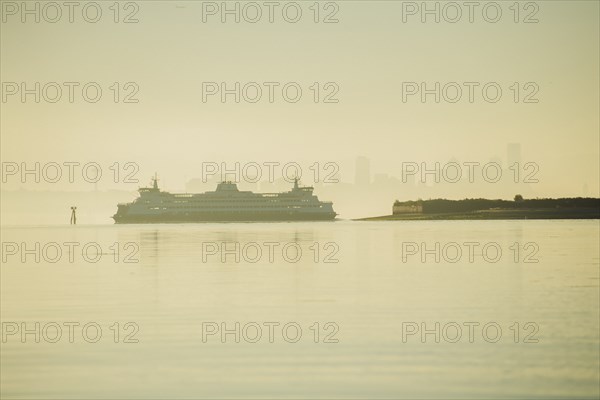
{"type": "Point", "coordinates": [513, 154]}
{"type": "Point", "coordinates": [411, 207]}
{"type": "Point", "coordinates": [362, 171]}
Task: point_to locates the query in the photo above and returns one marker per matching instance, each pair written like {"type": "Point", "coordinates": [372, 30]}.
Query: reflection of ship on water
{"type": "Point", "coordinates": [226, 203]}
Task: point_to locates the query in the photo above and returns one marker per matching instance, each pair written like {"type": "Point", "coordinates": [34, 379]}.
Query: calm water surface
{"type": "Point", "coordinates": [366, 279]}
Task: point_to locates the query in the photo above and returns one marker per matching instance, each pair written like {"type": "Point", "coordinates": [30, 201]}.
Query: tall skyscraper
{"type": "Point", "coordinates": [513, 154]}
{"type": "Point", "coordinates": [362, 171]}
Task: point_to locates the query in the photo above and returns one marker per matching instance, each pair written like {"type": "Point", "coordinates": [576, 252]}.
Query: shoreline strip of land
{"type": "Point", "coordinates": [485, 209]}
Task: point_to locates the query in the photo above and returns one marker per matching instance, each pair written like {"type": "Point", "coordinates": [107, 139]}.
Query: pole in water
{"type": "Point", "coordinates": [73, 216]}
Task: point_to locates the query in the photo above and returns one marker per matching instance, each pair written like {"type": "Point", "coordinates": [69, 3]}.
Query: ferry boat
{"type": "Point", "coordinates": [226, 203]}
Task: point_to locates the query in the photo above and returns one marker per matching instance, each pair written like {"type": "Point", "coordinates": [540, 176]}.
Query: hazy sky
{"type": "Point", "coordinates": [368, 54]}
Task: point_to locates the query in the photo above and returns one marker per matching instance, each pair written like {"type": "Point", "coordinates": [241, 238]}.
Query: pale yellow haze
{"type": "Point", "coordinates": [368, 55]}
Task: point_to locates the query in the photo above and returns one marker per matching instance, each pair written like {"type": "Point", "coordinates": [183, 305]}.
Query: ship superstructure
{"type": "Point", "coordinates": [226, 203]}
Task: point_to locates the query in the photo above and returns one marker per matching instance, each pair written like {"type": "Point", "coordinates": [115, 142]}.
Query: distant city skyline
{"type": "Point", "coordinates": [370, 54]}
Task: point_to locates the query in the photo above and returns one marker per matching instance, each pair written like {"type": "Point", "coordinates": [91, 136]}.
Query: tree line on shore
{"type": "Point", "coordinates": [469, 205]}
